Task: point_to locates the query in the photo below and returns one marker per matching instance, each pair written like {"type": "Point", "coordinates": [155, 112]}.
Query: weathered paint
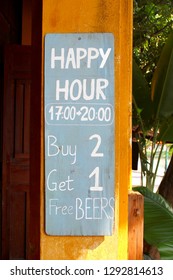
{"type": "Point", "coordinates": [98, 16]}
{"type": "Point", "coordinates": [79, 134]}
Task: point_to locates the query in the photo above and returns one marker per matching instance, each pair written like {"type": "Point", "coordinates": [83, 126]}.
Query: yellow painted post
{"type": "Point", "coordinates": [115, 16]}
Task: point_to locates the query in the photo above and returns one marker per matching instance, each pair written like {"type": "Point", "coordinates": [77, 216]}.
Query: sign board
{"type": "Point", "coordinates": [79, 133]}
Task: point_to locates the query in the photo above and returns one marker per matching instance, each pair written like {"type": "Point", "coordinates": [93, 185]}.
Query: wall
{"type": "Point", "coordinates": [97, 16]}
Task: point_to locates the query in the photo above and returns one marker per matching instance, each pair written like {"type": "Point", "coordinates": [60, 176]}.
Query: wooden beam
{"type": "Point", "coordinates": [135, 229]}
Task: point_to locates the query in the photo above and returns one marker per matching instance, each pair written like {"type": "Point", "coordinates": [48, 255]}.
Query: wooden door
{"type": "Point", "coordinates": [16, 152]}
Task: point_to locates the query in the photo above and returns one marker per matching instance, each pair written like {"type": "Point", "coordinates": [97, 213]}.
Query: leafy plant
{"type": "Point", "coordinates": [158, 221]}
{"type": "Point", "coordinates": [153, 113]}
{"type": "Point", "coordinates": [153, 116]}
{"type": "Point", "coordinates": [152, 21]}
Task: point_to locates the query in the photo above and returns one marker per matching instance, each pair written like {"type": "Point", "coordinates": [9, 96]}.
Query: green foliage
{"type": "Point", "coordinates": [162, 82]}
{"type": "Point", "coordinates": [153, 111]}
{"type": "Point", "coordinates": [141, 98]}
{"type": "Point", "coordinates": [153, 21]}
{"type": "Point", "coordinates": [162, 95]}
{"type": "Point", "coordinates": [158, 221]}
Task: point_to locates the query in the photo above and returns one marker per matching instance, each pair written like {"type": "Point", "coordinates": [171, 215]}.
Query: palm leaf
{"type": "Point", "coordinates": [166, 130]}
{"type": "Point", "coordinates": [142, 104]}
{"type": "Point", "coordinates": [158, 222]}
{"type": "Point", "coordinates": [166, 251]}
{"type": "Point", "coordinates": [162, 91]}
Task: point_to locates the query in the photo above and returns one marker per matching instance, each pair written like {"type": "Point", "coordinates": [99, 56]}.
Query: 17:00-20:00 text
{"type": "Point", "coordinates": [80, 112]}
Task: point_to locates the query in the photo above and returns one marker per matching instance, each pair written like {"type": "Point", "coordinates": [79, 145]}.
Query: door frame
{"type": "Point", "coordinates": [36, 121]}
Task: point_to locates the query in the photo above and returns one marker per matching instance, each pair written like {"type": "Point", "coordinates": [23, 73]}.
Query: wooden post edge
{"type": "Point", "coordinates": [135, 225]}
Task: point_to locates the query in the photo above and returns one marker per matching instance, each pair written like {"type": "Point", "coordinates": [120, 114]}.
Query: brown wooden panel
{"type": "Point", "coordinates": [18, 123]}
{"type": "Point", "coordinates": [26, 134]}
{"type": "Point", "coordinates": [16, 149]}
{"type": "Point", "coordinates": [135, 226]}
{"type": "Point", "coordinates": [17, 228]}
{"type": "Point", "coordinates": [36, 123]}
{"type": "Point", "coordinates": [19, 173]}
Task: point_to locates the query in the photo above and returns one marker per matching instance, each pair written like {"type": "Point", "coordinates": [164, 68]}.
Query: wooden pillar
{"type": "Point", "coordinates": [113, 16]}
{"type": "Point", "coordinates": [136, 223]}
